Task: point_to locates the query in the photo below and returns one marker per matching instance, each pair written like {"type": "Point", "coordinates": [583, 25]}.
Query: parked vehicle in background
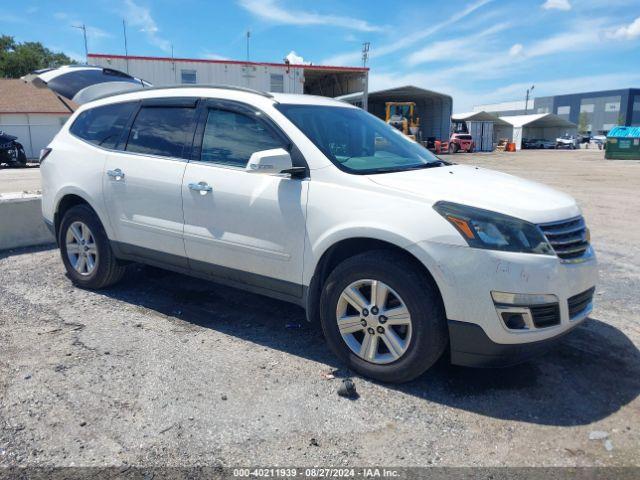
{"type": "Point", "coordinates": [567, 141]}
{"type": "Point", "coordinates": [461, 142]}
{"type": "Point", "coordinates": [540, 143]}
{"type": "Point", "coordinates": [398, 255]}
{"type": "Point", "coordinates": [11, 152]}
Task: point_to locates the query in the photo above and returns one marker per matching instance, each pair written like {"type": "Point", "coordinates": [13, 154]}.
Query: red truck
{"type": "Point", "coordinates": [461, 142]}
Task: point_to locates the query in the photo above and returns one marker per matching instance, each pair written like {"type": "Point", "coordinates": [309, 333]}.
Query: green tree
{"type": "Point", "coordinates": [583, 122]}
{"type": "Point", "coordinates": [18, 59]}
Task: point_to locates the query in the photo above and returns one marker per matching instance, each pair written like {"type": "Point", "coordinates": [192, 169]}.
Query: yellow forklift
{"type": "Point", "coordinates": [401, 115]}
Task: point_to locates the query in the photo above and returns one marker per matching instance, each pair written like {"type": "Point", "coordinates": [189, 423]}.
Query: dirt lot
{"type": "Point", "coordinates": [168, 370]}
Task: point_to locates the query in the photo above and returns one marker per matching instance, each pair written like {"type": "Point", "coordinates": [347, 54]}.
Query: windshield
{"type": "Point", "coordinates": [356, 141]}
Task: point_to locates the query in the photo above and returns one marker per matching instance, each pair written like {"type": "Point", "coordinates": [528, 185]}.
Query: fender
{"type": "Point", "coordinates": [95, 204]}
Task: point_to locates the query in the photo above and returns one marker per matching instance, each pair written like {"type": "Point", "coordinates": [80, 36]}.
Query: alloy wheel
{"type": "Point", "coordinates": [81, 247]}
{"type": "Point", "coordinates": [374, 321]}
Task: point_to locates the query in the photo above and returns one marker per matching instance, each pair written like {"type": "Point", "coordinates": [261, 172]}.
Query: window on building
{"type": "Point", "coordinates": [612, 107]}
{"type": "Point", "coordinates": [587, 108]}
{"type": "Point", "coordinates": [230, 138]}
{"type": "Point", "coordinates": [188, 76]}
{"type": "Point", "coordinates": [164, 131]}
{"type": "Point", "coordinates": [608, 126]}
{"type": "Point", "coordinates": [277, 83]}
{"type": "Point", "coordinates": [564, 110]}
{"type": "Point", "coordinates": [102, 126]}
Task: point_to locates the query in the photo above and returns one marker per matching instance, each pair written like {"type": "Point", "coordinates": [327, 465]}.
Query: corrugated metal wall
{"type": "Point", "coordinates": [166, 72]}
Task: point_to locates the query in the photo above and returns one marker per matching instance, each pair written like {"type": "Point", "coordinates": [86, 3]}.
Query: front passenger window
{"type": "Point", "coordinates": [230, 138]}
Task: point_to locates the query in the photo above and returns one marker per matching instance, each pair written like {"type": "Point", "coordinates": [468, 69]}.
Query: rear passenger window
{"type": "Point", "coordinates": [102, 126]}
{"type": "Point", "coordinates": [164, 131]}
{"type": "Point", "coordinates": [230, 138]}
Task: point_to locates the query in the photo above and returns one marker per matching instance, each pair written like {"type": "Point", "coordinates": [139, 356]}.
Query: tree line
{"type": "Point", "coordinates": [18, 59]}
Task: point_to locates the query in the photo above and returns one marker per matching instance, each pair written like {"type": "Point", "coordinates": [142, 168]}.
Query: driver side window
{"type": "Point", "coordinates": [230, 138]}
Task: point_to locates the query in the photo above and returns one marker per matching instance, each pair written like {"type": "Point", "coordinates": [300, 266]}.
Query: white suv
{"type": "Point", "coordinates": [396, 253]}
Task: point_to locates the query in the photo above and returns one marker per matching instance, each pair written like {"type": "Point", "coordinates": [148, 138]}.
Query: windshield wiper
{"type": "Point", "coordinates": [406, 169]}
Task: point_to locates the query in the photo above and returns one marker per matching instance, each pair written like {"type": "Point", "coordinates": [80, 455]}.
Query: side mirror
{"type": "Point", "coordinates": [270, 162]}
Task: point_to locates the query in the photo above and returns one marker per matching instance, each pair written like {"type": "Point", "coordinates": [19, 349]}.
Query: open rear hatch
{"type": "Point", "coordinates": [84, 83]}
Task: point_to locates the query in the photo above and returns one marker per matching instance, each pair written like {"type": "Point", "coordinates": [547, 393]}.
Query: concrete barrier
{"type": "Point", "coordinates": [21, 222]}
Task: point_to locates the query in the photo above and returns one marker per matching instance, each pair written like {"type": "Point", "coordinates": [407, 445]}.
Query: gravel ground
{"type": "Point", "coordinates": [169, 370]}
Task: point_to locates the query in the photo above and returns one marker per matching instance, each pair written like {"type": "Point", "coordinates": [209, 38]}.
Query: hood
{"type": "Point", "coordinates": [483, 188]}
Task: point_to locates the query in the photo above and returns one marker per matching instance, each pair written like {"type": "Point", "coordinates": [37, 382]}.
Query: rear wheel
{"type": "Point", "coordinates": [383, 317]}
{"type": "Point", "coordinates": [86, 251]}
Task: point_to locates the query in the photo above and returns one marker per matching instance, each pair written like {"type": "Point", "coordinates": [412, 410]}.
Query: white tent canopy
{"type": "Point", "coordinates": [540, 125]}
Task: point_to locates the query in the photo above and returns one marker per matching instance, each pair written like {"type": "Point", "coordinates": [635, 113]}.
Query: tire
{"type": "Point", "coordinates": [426, 337]}
{"type": "Point", "coordinates": [22, 157]}
{"type": "Point", "coordinates": [453, 148]}
{"type": "Point", "coordinates": [106, 270]}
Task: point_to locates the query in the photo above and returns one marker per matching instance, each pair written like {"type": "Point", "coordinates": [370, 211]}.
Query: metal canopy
{"type": "Point", "coordinates": [481, 116]}
{"type": "Point", "coordinates": [541, 120]}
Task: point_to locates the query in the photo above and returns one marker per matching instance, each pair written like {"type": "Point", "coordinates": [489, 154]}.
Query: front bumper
{"type": "Point", "coordinates": [467, 276]}
{"type": "Point", "coordinates": [471, 347]}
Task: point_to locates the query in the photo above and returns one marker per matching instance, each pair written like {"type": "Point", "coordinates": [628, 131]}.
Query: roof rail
{"type": "Point", "coordinates": [177, 87]}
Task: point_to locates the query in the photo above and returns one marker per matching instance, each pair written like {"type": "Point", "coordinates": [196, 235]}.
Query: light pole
{"type": "Point", "coordinates": [83, 27]}
{"type": "Point", "coordinates": [365, 81]}
{"type": "Point", "coordinates": [526, 102]}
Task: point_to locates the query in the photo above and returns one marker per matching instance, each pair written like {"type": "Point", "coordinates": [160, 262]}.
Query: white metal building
{"type": "Point", "coordinates": [540, 125]}
{"type": "Point", "coordinates": [32, 114]}
{"type": "Point", "coordinates": [272, 77]}
{"type": "Point", "coordinates": [433, 108]}
{"type": "Point", "coordinates": [484, 127]}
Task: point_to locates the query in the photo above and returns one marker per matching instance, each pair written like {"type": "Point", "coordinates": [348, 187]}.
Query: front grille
{"type": "Point", "coordinates": [578, 303]}
{"type": "Point", "coordinates": [545, 315]}
{"type": "Point", "coordinates": [568, 238]}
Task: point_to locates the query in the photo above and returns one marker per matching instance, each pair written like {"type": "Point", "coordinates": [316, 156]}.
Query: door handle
{"type": "Point", "coordinates": [116, 174]}
{"type": "Point", "coordinates": [202, 187]}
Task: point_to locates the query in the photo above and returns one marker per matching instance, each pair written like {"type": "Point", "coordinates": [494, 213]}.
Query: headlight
{"type": "Point", "coordinates": [494, 231]}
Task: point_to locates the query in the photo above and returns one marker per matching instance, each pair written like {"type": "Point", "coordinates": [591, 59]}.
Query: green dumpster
{"type": "Point", "coordinates": [623, 143]}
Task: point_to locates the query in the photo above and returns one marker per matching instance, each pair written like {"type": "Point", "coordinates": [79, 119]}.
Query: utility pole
{"type": "Point", "coordinates": [248, 36]}
{"type": "Point", "coordinates": [173, 66]}
{"type": "Point", "coordinates": [83, 27]}
{"type": "Point", "coordinates": [365, 80]}
{"type": "Point", "coordinates": [526, 102]}
{"type": "Point", "coordinates": [126, 51]}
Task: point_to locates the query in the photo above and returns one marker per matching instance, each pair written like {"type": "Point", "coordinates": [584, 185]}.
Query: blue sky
{"type": "Point", "coordinates": [478, 51]}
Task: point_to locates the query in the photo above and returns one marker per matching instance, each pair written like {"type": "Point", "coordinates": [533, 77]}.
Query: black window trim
{"type": "Point", "coordinates": [297, 158]}
{"type": "Point", "coordinates": [160, 102]}
{"type": "Point", "coordinates": [127, 125]}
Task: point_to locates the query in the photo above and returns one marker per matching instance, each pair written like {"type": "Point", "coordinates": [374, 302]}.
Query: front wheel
{"type": "Point", "coordinates": [383, 317]}
{"type": "Point", "coordinates": [86, 251]}
{"type": "Point", "coordinates": [453, 148]}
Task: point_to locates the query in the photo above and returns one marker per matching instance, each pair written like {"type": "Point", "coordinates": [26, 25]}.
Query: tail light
{"type": "Point", "coordinates": [44, 153]}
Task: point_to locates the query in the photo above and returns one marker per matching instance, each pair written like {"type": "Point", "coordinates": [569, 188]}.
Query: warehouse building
{"type": "Point", "coordinates": [593, 112]}
{"type": "Point", "coordinates": [270, 77]}
{"type": "Point", "coordinates": [34, 115]}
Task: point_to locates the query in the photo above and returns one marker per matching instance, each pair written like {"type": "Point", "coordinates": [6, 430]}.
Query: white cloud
{"type": "Point", "coordinates": [458, 48]}
{"type": "Point", "coordinates": [557, 5]}
{"type": "Point", "coordinates": [516, 49]}
{"type": "Point", "coordinates": [405, 41]}
{"type": "Point", "coordinates": [271, 11]}
{"type": "Point", "coordinates": [626, 32]}
{"type": "Point", "coordinates": [213, 56]}
{"type": "Point", "coordinates": [140, 17]}
{"type": "Point", "coordinates": [295, 59]}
